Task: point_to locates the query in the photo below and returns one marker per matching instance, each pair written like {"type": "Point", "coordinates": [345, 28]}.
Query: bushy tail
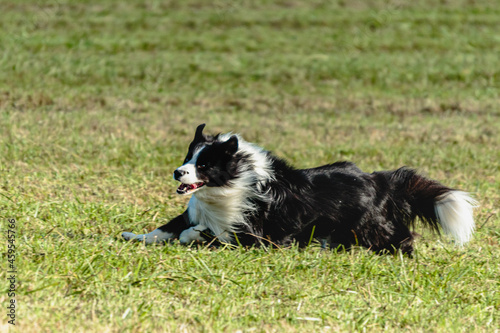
{"type": "Point", "coordinates": [454, 212]}
{"type": "Point", "coordinates": [437, 204]}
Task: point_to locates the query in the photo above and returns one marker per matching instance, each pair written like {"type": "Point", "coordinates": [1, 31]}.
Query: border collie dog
{"type": "Point", "coordinates": [242, 194]}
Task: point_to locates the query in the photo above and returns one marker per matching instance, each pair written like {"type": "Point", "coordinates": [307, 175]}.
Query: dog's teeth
{"type": "Point", "coordinates": [188, 188]}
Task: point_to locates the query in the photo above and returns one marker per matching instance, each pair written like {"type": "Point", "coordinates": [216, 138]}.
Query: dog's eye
{"type": "Point", "coordinates": [202, 166]}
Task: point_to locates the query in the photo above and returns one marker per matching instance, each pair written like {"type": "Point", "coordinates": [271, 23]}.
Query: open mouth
{"type": "Point", "coordinates": [189, 188]}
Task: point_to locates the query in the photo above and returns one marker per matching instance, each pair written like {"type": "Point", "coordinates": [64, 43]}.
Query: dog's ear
{"type": "Point", "coordinates": [231, 145]}
{"type": "Point", "coordinates": [198, 136]}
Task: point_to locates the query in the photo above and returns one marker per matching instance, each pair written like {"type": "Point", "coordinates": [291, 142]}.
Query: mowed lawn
{"type": "Point", "coordinates": [99, 101]}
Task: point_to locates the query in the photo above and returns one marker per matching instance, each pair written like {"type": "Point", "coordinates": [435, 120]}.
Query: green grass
{"type": "Point", "coordinates": [99, 100]}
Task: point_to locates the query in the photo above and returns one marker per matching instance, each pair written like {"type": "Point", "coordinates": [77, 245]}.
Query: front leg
{"type": "Point", "coordinates": [198, 233]}
{"type": "Point", "coordinates": [168, 231]}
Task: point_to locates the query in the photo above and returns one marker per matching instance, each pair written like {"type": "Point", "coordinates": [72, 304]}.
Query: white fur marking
{"type": "Point", "coordinates": [223, 209]}
{"type": "Point", "coordinates": [454, 211]}
{"type": "Point", "coordinates": [190, 176]}
{"type": "Point", "coordinates": [155, 236]}
{"type": "Point", "coordinates": [192, 234]}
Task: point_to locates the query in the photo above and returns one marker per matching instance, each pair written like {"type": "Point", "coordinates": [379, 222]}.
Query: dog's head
{"type": "Point", "coordinates": [210, 162]}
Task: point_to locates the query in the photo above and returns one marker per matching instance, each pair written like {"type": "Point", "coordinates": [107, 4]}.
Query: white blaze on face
{"type": "Point", "coordinates": [188, 169]}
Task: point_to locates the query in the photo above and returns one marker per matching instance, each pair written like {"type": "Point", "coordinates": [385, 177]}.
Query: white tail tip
{"type": "Point", "coordinates": [454, 212]}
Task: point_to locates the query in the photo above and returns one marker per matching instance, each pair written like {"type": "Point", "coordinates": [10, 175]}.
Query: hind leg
{"type": "Point", "coordinates": [399, 239]}
{"type": "Point", "coordinates": [402, 239]}
{"type": "Point", "coordinates": [384, 236]}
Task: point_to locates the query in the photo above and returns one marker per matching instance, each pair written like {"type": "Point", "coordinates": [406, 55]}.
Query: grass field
{"type": "Point", "coordinates": [99, 100]}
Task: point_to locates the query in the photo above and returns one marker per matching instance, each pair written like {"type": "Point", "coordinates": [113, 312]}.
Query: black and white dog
{"type": "Point", "coordinates": [243, 194]}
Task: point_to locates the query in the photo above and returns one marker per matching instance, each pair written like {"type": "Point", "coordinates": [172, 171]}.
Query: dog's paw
{"type": "Point", "coordinates": [155, 236]}
{"type": "Point", "coordinates": [193, 234]}
{"type": "Point", "coordinates": [131, 236]}
{"type": "Point", "coordinates": [128, 235]}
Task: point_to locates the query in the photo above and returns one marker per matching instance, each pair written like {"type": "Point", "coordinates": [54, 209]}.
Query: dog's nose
{"type": "Point", "coordinates": [179, 173]}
